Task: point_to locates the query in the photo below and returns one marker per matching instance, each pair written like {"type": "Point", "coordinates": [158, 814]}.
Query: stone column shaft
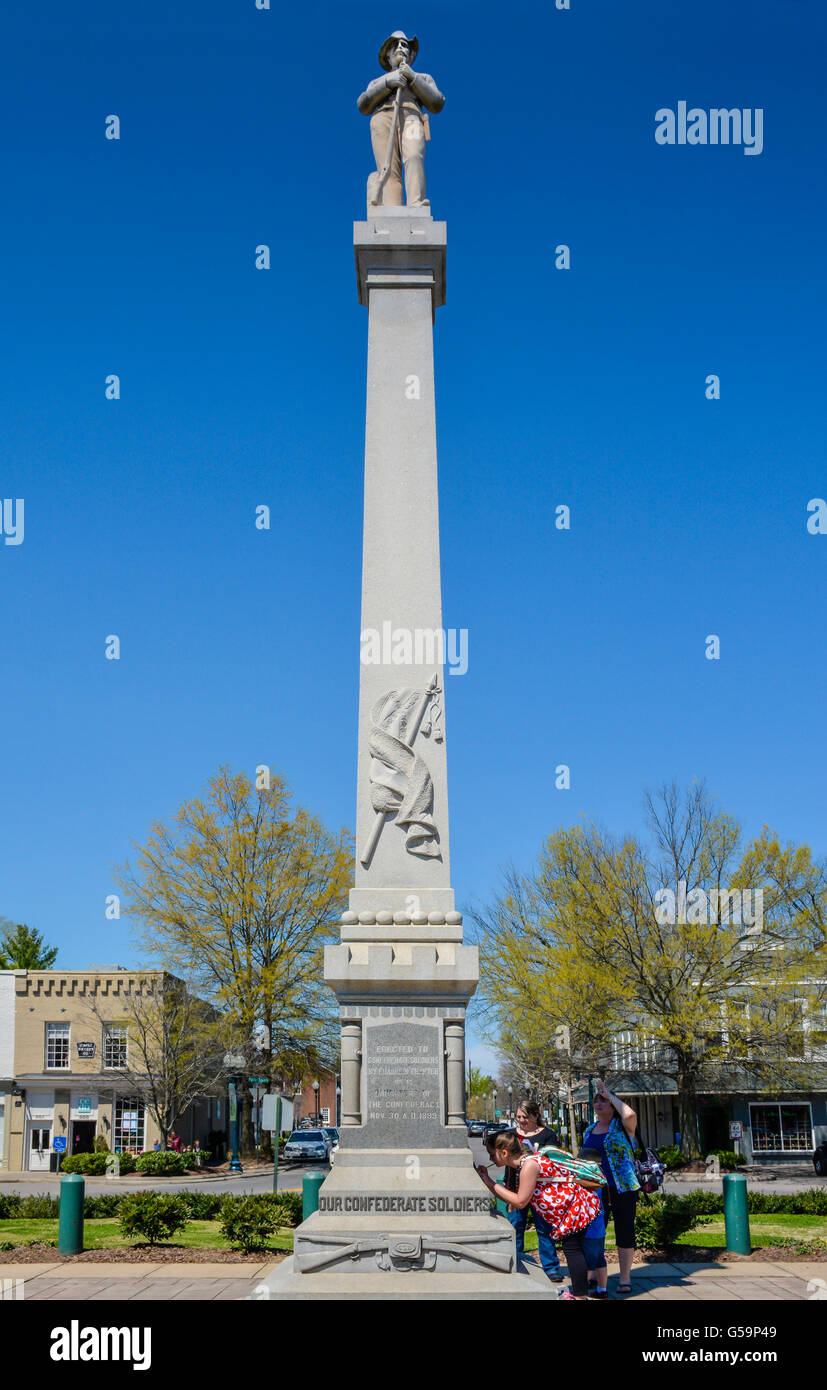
{"type": "Point", "coordinates": [455, 1072]}
{"type": "Point", "coordinates": [351, 1073]}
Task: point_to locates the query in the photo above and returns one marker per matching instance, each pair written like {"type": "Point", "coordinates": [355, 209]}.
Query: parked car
{"type": "Point", "coordinates": [332, 1133]}
{"type": "Point", "coordinates": [496, 1127]}
{"type": "Point", "coordinates": [476, 1129]}
{"type": "Point", "coordinates": [820, 1160]}
{"type": "Point", "coordinates": [306, 1144]}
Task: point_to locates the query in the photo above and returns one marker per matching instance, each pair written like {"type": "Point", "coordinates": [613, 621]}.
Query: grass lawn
{"type": "Point", "coordinates": [710, 1230]}
{"type": "Point", "coordinates": [105, 1234]}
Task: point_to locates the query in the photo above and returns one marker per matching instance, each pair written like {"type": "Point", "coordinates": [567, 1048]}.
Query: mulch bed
{"type": "Point", "coordinates": [718, 1254]}
{"type": "Point", "coordinates": [137, 1254]}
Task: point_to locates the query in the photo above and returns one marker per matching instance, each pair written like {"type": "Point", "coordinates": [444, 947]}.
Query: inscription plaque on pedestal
{"type": "Point", "coordinates": [403, 1084]}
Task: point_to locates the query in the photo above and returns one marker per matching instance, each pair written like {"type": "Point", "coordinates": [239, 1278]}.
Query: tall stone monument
{"type": "Point", "coordinates": [403, 1213]}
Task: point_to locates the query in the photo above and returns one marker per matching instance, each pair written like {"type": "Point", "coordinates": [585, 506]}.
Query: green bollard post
{"type": "Point", "coordinates": [70, 1223]}
{"type": "Point", "coordinates": [311, 1183]}
{"type": "Point", "coordinates": [736, 1214]}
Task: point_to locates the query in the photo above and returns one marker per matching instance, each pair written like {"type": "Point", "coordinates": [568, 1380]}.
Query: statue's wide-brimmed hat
{"type": "Point", "coordinates": [390, 43]}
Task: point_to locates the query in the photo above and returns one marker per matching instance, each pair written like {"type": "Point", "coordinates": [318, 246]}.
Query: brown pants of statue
{"type": "Point", "coordinates": [408, 149]}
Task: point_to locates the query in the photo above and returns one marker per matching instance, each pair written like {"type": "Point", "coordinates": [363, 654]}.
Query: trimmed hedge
{"type": "Point", "coordinates": [671, 1156]}
{"type": "Point", "coordinates": [161, 1163]}
{"type": "Point", "coordinates": [152, 1215]}
{"type": "Point", "coordinates": [661, 1219]}
{"type": "Point", "coordinates": [194, 1206]}
{"type": "Point", "coordinates": [727, 1158]}
{"type": "Point", "coordinates": [248, 1222]}
{"type": "Point", "coordinates": [97, 1165]}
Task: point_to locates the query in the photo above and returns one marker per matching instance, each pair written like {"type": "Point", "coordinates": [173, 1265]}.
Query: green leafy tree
{"type": "Point", "coordinates": [696, 998]}
{"type": "Point", "coordinates": [239, 894]}
{"type": "Point", "coordinates": [23, 948]}
{"type": "Point", "coordinates": [478, 1090]}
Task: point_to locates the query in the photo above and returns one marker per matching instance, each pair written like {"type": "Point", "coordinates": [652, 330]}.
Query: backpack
{"type": "Point", "coordinates": [577, 1167]}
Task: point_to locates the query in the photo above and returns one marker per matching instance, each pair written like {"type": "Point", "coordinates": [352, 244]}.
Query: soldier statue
{"type": "Point", "coordinates": [398, 124]}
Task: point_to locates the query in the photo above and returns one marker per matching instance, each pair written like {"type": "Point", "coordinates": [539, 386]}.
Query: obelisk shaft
{"type": "Point", "coordinates": [400, 261]}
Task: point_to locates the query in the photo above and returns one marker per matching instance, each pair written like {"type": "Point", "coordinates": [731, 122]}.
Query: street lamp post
{"type": "Point", "coordinates": [234, 1083]}
{"type": "Point", "coordinates": [510, 1099]}
{"type": "Point", "coordinates": [338, 1106]}
{"type": "Point", "coordinates": [316, 1103]}
{"type": "Point", "coordinates": [494, 1099]}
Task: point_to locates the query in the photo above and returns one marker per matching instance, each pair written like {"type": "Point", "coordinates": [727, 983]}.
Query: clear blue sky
{"type": "Point", "coordinates": [585, 387]}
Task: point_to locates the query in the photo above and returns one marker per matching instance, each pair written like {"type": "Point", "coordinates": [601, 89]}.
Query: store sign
{"type": "Point", "coordinates": [84, 1107]}
{"type": "Point", "coordinates": [735, 1129]}
{"type": "Point", "coordinates": [85, 1049]}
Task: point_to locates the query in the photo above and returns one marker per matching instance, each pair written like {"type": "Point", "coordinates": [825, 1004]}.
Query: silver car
{"type": "Point", "coordinates": [305, 1144]}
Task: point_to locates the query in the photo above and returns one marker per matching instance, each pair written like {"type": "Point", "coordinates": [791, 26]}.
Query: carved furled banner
{"type": "Point", "coordinates": [400, 781]}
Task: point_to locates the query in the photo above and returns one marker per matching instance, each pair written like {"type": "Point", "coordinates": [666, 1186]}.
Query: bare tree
{"type": "Point", "coordinates": [174, 1046]}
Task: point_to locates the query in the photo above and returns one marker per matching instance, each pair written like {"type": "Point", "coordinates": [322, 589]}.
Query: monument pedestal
{"type": "Point", "coordinates": [403, 1214]}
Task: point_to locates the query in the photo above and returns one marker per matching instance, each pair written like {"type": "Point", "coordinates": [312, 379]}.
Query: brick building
{"type": "Point", "coordinates": [325, 1109]}
{"type": "Point", "coordinates": [64, 1048]}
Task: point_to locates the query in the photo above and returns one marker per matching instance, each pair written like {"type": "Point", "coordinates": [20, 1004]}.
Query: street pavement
{"type": "Point", "coordinates": [253, 1179]}
{"type": "Point", "coordinates": [775, 1179]}
{"type": "Point", "coordinates": [259, 1178]}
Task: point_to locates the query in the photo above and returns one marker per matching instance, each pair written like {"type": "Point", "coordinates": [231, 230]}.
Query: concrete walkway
{"type": "Point", "coordinates": [763, 1282]}
{"type": "Point", "coordinates": [105, 1283]}
{"type": "Point", "coordinates": [109, 1283]}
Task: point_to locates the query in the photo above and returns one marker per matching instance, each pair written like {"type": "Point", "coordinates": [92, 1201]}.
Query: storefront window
{"type": "Point", "coordinates": [782, 1128]}
{"type": "Point", "coordinates": [128, 1136]}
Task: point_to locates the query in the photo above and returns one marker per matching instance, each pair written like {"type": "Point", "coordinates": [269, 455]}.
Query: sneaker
{"type": "Point", "coordinates": [556, 1278]}
{"type": "Point", "coordinates": [567, 1296]}
{"type": "Point", "coordinates": [595, 1292]}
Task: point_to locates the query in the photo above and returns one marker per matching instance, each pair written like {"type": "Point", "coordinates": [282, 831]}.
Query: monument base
{"type": "Point", "coordinates": [396, 1223]}
{"type": "Point", "coordinates": [528, 1282]}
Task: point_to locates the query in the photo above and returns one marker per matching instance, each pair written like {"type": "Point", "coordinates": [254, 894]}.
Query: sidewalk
{"type": "Point", "coordinates": [763, 1282]}
{"type": "Point", "coordinates": [757, 1283]}
{"type": "Point", "coordinates": [127, 1283]}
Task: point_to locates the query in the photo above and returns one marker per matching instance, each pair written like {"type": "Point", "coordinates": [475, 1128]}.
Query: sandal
{"type": "Point", "coordinates": [623, 1289]}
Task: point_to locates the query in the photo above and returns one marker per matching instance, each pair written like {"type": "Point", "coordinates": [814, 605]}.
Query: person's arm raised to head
{"type": "Point", "coordinates": [624, 1112]}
